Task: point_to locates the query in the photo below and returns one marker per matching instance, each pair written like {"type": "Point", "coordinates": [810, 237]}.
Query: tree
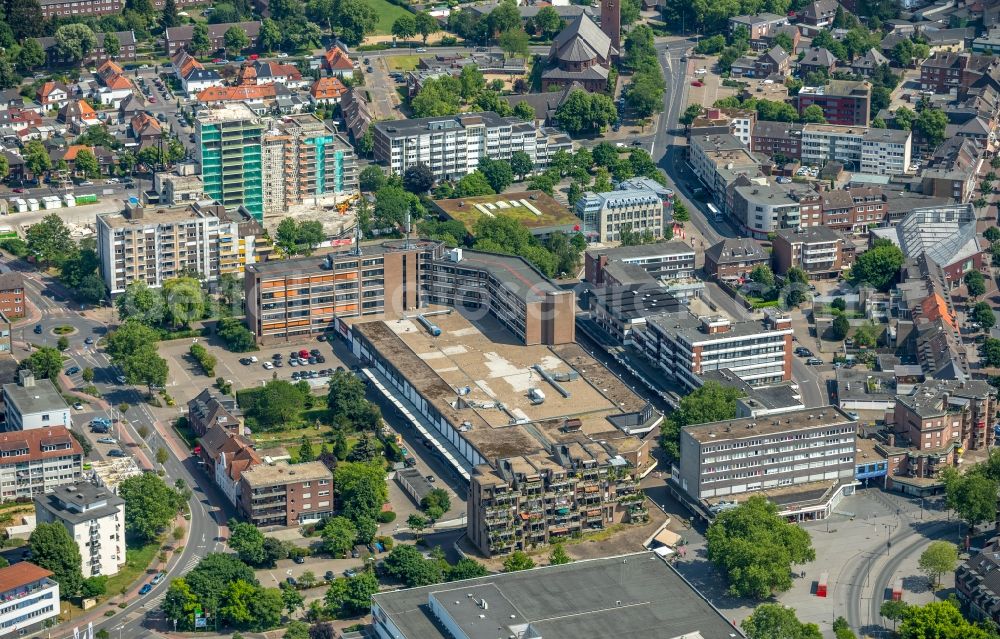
{"type": "Point", "coordinates": [516, 561]}
{"type": "Point", "coordinates": [278, 403]}
{"type": "Point", "coordinates": [755, 548]}
{"type": "Point", "coordinates": [523, 110]}
{"type": "Point", "coordinates": [353, 20]}
{"type": "Point", "coordinates": [405, 563]}
{"type": "Point", "coordinates": [435, 503]}
{"type": "Point", "coordinates": [582, 112]}
{"type": "Point", "coordinates": [112, 46]}
{"type": "Point", "coordinates": [938, 558]}
{"type": "Point", "coordinates": [497, 172]}
{"type": "Point", "coordinates": [521, 163]}
{"type": "Point", "coordinates": [149, 505]}
{"type": "Point", "coordinates": [30, 56]}
{"type": "Point", "coordinates": [465, 568]}
{"type": "Point", "coordinates": [404, 27]}
{"type": "Point", "coordinates": [472, 185]}
{"type": "Point", "coordinates": [558, 556]}
{"type": "Point", "coordinates": [346, 398]}
{"type": "Point", "coordinates": [813, 114]}
{"type": "Point", "coordinates": [931, 124]}
{"type": "Point", "coordinates": [52, 548]}
{"type": "Point", "coordinates": [184, 300]}
{"type": "Point", "coordinates": [49, 241]}
{"type": "Point", "coordinates": [361, 487]}
{"type": "Point", "coordinates": [840, 328]}
{"type": "Point", "coordinates": [95, 586]}
{"type": "Point", "coordinates": [169, 17]}
{"type": "Point", "coordinates": [774, 621]}
{"type": "Point", "coordinates": [982, 314]}
{"type": "Point", "coordinates": [200, 42]}
{"type": "Point", "coordinates": [939, 620]}
{"type": "Point", "coordinates": [690, 114]}
{"type": "Point", "coordinates": [44, 363]}
{"type": "Point", "coordinates": [75, 41]}
{"type": "Point", "coordinates": [86, 163]}
{"type": "Point", "coordinates": [371, 178]}
{"type": "Point", "coordinates": [417, 522]}
{"type": "Point", "coordinates": [338, 535]}
{"type": "Point", "coordinates": [25, 18]}
{"type": "Point", "coordinates": [235, 40]}
{"type": "Point", "coordinates": [209, 580]}
{"type": "Point", "coordinates": [547, 22]}
{"type": "Point", "coordinates": [418, 179]}
{"type": "Point", "coordinates": [763, 275]}
{"type": "Point", "coordinates": [644, 95]}
{"type": "Point", "coordinates": [514, 42]}
{"type": "Point", "coordinates": [975, 283]}
{"type": "Point", "coordinates": [894, 610]}
{"type": "Point", "coordinates": [972, 496]}
{"type": "Point", "coordinates": [680, 212]}
{"type": "Point", "coordinates": [711, 402]}
{"type": "Point", "coordinates": [270, 35]}
{"type": "Point", "coordinates": [878, 266]}
{"type": "Point", "coordinates": [425, 24]}
{"type": "Point", "coordinates": [291, 598]}
{"type": "Point", "coordinates": [36, 158]}
{"type": "Point", "coordinates": [248, 541]}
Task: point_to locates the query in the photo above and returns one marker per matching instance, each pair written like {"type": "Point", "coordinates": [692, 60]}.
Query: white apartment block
{"type": "Point", "coordinates": [875, 151]}
{"type": "Point", "coordinates": [94, 517]}
{"type": "Point", "coordinates": [34, 462]}
{"type": "Point", "coordinates": [152, 246]}
{"type": "Point", "coordinates": [742, 127]}
{"type": "Point", "coordinates": [610, 214]}
{"type": "Point", "coordinates": [31, 404]}
{"type": "Point", "coordinates": [28, 599]}
{"type": "Point", "coordinates": [684, 347]}
{"type": "Point", "coordinates": [452, 145]}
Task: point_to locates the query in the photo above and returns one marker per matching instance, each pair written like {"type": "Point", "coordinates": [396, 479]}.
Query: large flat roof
{"type": "Point", "coordinates": [285, 473]}
{"type": "Point", "coordinates": [314, 263]}
{"type": "Point", "coordinates": [534, 210]}
{"type": "Point", "coordinates": [632, 596]}
{"type": "Point", "coordinates": [736, 429]}
{"type": "Point", "coordinates": [514, 272]}
{"type": "Point", "coordinates": [478, 373]}
{"type": "Point", "coordinates": [42, 396]}
{"type": "Point", "coordinates": [70, 501]}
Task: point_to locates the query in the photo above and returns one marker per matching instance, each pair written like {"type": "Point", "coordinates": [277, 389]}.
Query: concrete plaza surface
{"type": "Point", "coordinates": [851, 548]}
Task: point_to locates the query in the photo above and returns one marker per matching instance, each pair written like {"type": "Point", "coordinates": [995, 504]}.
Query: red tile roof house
{"type": "Point", "coordinates": [327, 90]}
{"type": "Point", "coordinates": [336, 62]}
{"type": "Point", "coordinates": [52, 95]}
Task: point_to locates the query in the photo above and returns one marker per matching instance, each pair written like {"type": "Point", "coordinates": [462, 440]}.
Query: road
{"type": "Point", "coordinates": [205, 517]}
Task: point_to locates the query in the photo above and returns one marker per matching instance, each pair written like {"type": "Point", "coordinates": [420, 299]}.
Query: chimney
{"type": "Point", "coordinates": [26, 378]}
{"type": "Point", "coordinates": [891, 439]}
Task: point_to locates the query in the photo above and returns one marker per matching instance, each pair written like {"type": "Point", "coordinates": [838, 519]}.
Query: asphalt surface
{"type": "Point", "coordinates": [205, 517]}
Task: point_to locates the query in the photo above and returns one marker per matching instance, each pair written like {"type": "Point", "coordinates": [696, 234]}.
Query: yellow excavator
{"type": "Point", "coordinates": [346, 204]}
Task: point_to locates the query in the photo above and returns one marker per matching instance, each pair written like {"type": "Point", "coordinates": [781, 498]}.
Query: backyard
{"type": "Point", "coordinates": [402, 62]}
{"type": "Point", "coordinates": [387, 14]}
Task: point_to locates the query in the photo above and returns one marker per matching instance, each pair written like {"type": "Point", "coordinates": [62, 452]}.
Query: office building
{"type": "Point", "coordinates": [610, 216]}
{"type": "Point", "coordinates": [452, 145]}
{"type": "Point", "coordinates": [629, 596]}
{"type": "Point", "coordinates": [152, 246]}
{"type": "Point", "coordinates": [845, 102]}
{"type": "Point", "coordinates": [858, 148]}
{"type": "Point", "coordinates": [778, 140]}
{"type": "Point", "coordinates": [622, 310]}
{"type": "Point", "coordinates": [94, 517]}
{"type": "Point", "coordinates": [685, 347]}
{"type": "Point", "coordinates": [668, 260]}
{"type": "Point", "coordinates": [12, 303]}
{"type": "Point", "coordinates": [228, 148]}
{"type": "Point", "coordinates": [294, 299]}
{"type": "Point", "coordinates": [34, 404]}
{"type": "Point", "coordinates": [718, 160]}
{"type": "Point", "coordinates": [552, 422]}
{"type": "Point", "coordinates": [760, 209]}
{"type": "Point", "coordinates": [305, 162]}
{"type": "Point", "coordinates": [34, 462]}
{"type": "Point", "coordinates": [819, 251]}
{"type": "Point", "coordinates": [803, 460]}
{"type": "Point", "coordinates": [282, 494]}
{"type": "Point", "coordinates": [945, 234]}
{"type": "Point", "coordinates": [29, 599]}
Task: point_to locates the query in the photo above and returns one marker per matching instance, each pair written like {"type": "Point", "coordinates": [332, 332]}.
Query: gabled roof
{"type": "Point", "coordinates": [335, 59]}
{"type": "Point", "coordinates": [819, 56]}
{"type": "Point", "coordinates": [184, 33]}
{"type": "Point", "coordinates": [326, 88]}
{"type": "Point", "coordinates": [582, 40]}
{"type": "Point", "coordinates": [50, 87]}
{"type": "Point", "coordinates": [819, 8]}
{"type": "Point", "coordinates": [236, 94]}
{"type": "Point", "coordinates": [118, 83]}
{"type": "Point", "coordinates": [265, 69]}
{"type": "Point", "coordinates": [776, 55]}
{"type": "Point", "coordinates": [73, 149]}
{"type": "Point", "coordinates": [109, 68]}
{"type": "Point", "coordinates": [870, 59]}
{"type": "Point", "coordinates": [144, 124]}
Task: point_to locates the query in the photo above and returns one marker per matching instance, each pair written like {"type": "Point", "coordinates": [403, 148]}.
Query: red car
{"type": "Point", "coordinates": [217, 60]}
{"type": "Point", "coordinates": [152, 99]}
{"type": "Point", "coordinates": [304, 354]}
{"type": "Point", "coordinates": [18, 190]}
{"type": "Point", "coordinates": [697, 83]}
{"type": "Point", "coordinates": [254, 56]}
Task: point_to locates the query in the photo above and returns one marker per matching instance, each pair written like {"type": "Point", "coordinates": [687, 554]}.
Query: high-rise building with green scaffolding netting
{"type": "Point", "coordinates": [229, 151]}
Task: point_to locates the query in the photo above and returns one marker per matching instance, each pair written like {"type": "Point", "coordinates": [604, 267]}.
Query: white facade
{"type": "Point", "coordinates": [612, 213]}
{"type": "Point", "coordinates": [25, 607]}
{"type": "Point", "coordinates": [95, 518]}
{"type": "Point", "coordinates": [875, 151]}
{"type": "Point", "coordinates": [742, 127]}
{"type": "Point", "coordinates": [230, 488]}
{"type": "Point", "coordinates": [32, 404]}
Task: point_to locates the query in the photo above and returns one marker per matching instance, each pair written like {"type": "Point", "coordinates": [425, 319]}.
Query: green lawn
{"type": "Point", "coordinates": [402, 62]}
{"type": "Point", "coordinates": [137, 561]}
{"type": "Point", "coordinates": [387, 14]}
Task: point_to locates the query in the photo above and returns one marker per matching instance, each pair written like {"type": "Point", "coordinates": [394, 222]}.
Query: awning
{"type": "Point", "coordinates": [667, 538]}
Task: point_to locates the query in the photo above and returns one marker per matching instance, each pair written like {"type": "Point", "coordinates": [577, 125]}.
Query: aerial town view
{"type": "Point", "coordinates": [499, 319]}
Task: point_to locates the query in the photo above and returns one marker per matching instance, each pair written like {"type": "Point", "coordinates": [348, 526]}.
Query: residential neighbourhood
{"type": "Point", "coordinates": [378, 319]}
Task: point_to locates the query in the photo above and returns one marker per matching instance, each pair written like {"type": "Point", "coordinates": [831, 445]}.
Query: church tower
{"type": "Point", "coordinates": [611, 23]}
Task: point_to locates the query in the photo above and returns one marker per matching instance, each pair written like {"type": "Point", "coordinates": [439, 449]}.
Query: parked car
{"type": "Point", "coordinates": [853, 415]}
{"type": "Point", "coordinates": [350, 572]}
{"type": "Point", "coordinates": [121, 379]}
{"type": "Point", "coordinates": [116, 453]}
{"type": "Point", "coordinates": [38, 329]}
{"type": "Point", "coordinates": [330, 575]}
{"type": "Point", "coordinates": [77, 406]}
{"type": "Point", "coordinates": [814, 361]}
{"type": "Point", "coordinates": [145, 589]}
{"type": "Point", "coordinates": [320, 359]}
{"type": "Point", "coordinates": [291, 581]}
{"type": "Point", "coordinates": [72, 370]}
{"type": "Point", "coordinates": [268, 366]}
{"type": "Point", "coordinates": [105, 440]}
